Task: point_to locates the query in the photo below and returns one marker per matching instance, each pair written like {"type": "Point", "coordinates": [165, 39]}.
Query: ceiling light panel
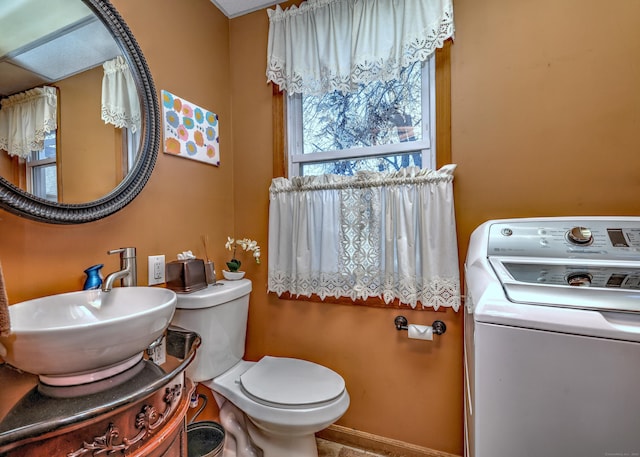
{"type": "Point", "coordinates": [18, 27]}
{"type": "Point", "coordinates": [69, 54]}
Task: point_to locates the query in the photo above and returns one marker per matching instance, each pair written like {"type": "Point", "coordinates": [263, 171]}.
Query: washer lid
{"type": "Point", "coordinates": [294, 382]}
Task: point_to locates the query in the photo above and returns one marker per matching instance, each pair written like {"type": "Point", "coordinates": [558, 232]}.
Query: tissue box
{"type": "Point", "coordinates": [185, 276]}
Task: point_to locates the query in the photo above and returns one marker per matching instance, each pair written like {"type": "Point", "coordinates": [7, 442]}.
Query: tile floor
{"type": "Point", "coordinates": [331, 449]}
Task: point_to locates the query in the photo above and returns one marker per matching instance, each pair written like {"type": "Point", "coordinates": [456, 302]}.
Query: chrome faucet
{"type": "Point", "coordinates": [128, 274]}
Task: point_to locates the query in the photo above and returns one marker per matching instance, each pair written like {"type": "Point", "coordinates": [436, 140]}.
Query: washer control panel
{"type": "Point", "coordinates": [612, 277]}
{"type": "Point", "coordinates": [580, 235]}
{"type": "Point", "coordinates": [597, 238]}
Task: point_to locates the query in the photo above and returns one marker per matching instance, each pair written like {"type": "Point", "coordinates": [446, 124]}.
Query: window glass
{"type": "Point", "coordinates": [45, 182]}
{"type": "Point", "coordinates": [376, 114]}
{"type": "Point", "coordinates": [42, 173]}
{"type": "Point", "coordinates": [383, 126]}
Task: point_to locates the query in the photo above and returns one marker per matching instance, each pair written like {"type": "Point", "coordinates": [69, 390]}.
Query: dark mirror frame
{"type": "Point", "coordinates": [17, 201]}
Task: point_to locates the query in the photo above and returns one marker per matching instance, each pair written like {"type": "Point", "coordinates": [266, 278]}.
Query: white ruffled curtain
{"type": "Point", "coordinates": [26, 118]}
{"type": "Point", "coordinates": [387, 235]}
{"type": "Point", "coordinates": [327, 45]}
{"type": "Point", "coordinates": [120, 103]}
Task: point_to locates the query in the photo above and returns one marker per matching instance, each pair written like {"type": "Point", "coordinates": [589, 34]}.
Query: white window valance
{"type": "Point", "coordinates": [120, 103]}
{"type": "Point", "coordinates": [26, 118]}
{"type": "Point", "coordinates": [387, 235]}
{"type": "Point", "coordinates": [327, 45]}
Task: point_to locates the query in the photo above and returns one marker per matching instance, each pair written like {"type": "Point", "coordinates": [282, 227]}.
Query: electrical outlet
{"type": "Point", "coordinates": [156, 269]}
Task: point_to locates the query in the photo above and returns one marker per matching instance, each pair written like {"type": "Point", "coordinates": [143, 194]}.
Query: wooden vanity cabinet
{"type": "Point", "coordinates": [139, 412]}
{"type": "Point", "coordinates": [151, 427]}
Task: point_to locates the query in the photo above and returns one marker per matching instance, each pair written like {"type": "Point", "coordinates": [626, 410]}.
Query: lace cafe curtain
{"type": "Point", "coordinates": [327, 45]}
{"type": "Point", "coordinates": [25, 120]}
{"type": "Point", "coordinates": [387, 235]}
{"type": "Point", "coordinates": [120, 103]}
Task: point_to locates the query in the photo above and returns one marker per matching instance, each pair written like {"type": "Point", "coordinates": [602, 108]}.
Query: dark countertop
{"type": "Point", "coordinates": [29, 408]}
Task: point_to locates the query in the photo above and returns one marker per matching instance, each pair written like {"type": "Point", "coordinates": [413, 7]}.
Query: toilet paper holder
{"type": "Point", "coordinates": [402, 323]}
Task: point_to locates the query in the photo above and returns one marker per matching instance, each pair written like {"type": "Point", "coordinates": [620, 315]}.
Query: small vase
{"type": "Point", "coordinates": [94, 277]}
{"type": "Point", "coordinates": [232, 275]}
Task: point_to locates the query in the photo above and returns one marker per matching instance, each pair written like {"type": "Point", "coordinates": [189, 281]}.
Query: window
{"type": "Point", "coordinates": [41, 170]}
{"type": "Point", "coordinates": [380, 127]}
{"type": "Point", "coordinates": [130, 146]}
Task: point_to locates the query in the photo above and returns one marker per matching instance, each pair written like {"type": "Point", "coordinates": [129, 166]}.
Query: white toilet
{"type": "Point", "coordinates": [285, 400]}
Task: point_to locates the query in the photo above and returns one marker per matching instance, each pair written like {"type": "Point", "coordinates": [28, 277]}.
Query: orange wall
{"type": "Point", "coordinates": [7, 168]}
{"type": "Point", "coordinates": [545, 110]}
{"type": "Point", "coordinates": [89, 170]}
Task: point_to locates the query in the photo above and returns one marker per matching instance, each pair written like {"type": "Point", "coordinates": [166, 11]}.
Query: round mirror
{"type": "Point", "coordinates": [93, 157]}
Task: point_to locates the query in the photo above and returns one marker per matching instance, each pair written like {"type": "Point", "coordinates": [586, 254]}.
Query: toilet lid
{"type": "Point", "coordinates": [292, 382]}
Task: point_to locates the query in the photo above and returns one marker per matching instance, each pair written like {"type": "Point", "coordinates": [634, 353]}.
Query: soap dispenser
{"type": "Point", "coordinates": [94, 277]}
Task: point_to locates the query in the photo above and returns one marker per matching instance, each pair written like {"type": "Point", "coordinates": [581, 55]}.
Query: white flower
{"type": "Point", "coordinates": [246, 244]}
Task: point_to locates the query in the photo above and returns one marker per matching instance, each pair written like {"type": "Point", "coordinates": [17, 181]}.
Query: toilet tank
{"type": "Point", "coordinates": [219, 315]}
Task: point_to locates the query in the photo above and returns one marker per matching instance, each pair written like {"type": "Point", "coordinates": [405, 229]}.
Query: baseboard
{"type": "Point", "coordinates": [375, 443]}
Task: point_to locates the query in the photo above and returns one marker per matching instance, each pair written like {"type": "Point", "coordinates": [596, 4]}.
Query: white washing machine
{"type": "Point", "coordinates": [552, 338]}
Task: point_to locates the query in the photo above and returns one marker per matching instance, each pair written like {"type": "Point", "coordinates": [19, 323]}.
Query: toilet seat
{"type": "Point", "coordinates": [291, 383]}
{"type": "Point", "coordinates": [279, 420]}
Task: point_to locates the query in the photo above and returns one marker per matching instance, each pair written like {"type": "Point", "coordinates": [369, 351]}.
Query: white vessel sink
{"type": "Point", "coordinates": [85, 336]}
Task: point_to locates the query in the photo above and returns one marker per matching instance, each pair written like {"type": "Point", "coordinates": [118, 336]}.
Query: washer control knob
{"type": "Point", "coordinates": [580, 235]}
{"type": "Point", "coordinates": [579, 279]}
